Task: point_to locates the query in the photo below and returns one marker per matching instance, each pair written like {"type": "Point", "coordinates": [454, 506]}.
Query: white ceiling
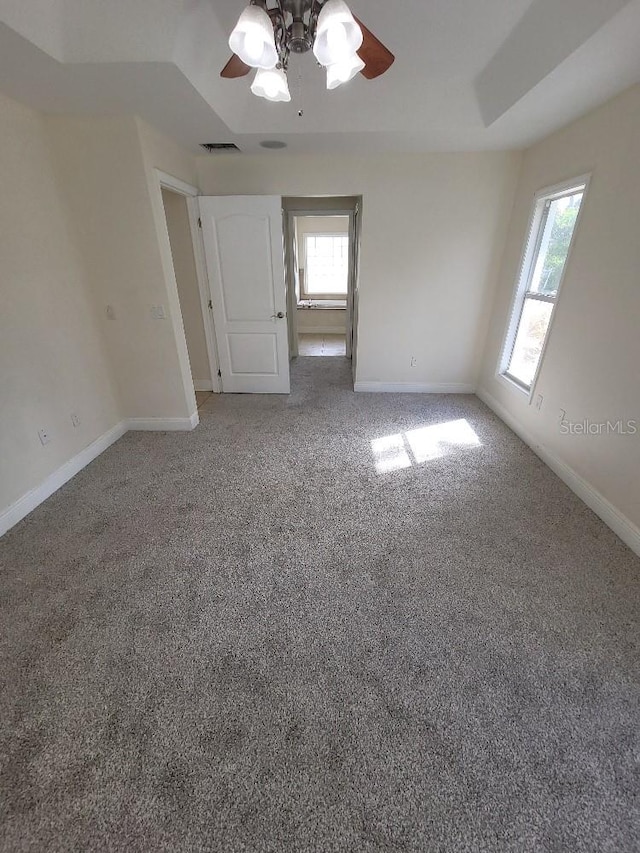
{"type": "Point", "coordinates": [488, 74]}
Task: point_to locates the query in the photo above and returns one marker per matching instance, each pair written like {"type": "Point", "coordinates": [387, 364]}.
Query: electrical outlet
{"type": "Point", "coordinates": [539, 399]}
{"type": "Point", "coordinates": [111, 312]}
{"type": "Point", "coordinates": [75, 419]}
{"type": "Point", "coordinates": [44, 435]}
{"type": "Point", "coordinates": [157, 312]}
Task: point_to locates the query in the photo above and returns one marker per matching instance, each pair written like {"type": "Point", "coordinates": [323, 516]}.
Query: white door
{"type": "Point", "coordinates": [245, 264]}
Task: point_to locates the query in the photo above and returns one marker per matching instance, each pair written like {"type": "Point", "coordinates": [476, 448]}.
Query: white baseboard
{"type": "Point", "coordinates": [203, 385]}
{"type": "Point", "coordinates": [415, 387]}
{"type": "Point", "coordinates": [33, 498]}
{"type": "Point", "coordinates": [604, 509]}
{"type": "Point", "coordinates": [163, 424]}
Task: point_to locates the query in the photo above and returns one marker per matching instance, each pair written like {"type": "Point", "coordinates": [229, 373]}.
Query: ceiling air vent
{"type": "Point", "coordinates": [219, 146]}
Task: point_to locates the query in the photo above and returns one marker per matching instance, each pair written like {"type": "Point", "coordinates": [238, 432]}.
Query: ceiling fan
{"type": "Point", "coordinates": [266, 35]}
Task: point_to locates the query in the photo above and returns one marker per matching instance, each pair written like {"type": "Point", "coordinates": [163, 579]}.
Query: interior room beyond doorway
{"type": "Point", "coordinates": [322, 282]}
{"type": "Point", "coordinates": [184, 267]}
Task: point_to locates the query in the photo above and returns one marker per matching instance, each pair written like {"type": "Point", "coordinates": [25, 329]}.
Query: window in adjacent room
{"type": "Point", "coordinates": [326, 269]}
{"type": "Point", "coordinates": [553, 225]}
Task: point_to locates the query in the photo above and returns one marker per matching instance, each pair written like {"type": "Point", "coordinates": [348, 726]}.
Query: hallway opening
{"type": "Point", "coordinates": [322, 283]}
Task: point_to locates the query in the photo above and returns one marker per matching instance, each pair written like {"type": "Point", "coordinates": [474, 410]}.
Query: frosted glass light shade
{"type": "Point", "coordinates": [342, 72]}
{"type": "Point", "coordinates": [338, 36]}
{"type": "Point", "coordinates": [271, 84]}
{"type": "Point", "coordinates": [252, 39]}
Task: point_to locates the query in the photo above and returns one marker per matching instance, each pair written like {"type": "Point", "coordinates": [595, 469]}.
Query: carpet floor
{"type": "Point", "coordinates": [323, 622]}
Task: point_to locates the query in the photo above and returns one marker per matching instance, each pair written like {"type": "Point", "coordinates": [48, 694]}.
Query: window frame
{"type": "Point", "coordinates": [323, 297]}
{"type": "Point", "coordinates": [535, 232]}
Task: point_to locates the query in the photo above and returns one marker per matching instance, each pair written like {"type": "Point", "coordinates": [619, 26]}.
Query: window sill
{"type": "Point", "coordinates": [323, 304]}
{"type": "Point", "coordinates": [510, 383]}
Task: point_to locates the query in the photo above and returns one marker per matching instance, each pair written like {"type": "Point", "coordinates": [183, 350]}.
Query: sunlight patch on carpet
{"type": "Point", "coordinates": [416, 446]}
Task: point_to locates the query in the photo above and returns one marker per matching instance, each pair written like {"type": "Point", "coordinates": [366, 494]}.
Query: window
{"type": "Point", "coordinates": [326, 269]}
{"type": "Point", "coordinates": [553, 225]}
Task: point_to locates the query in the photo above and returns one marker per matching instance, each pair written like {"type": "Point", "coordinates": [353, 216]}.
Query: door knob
{"type": "Point", "coordinates": [279, 315]}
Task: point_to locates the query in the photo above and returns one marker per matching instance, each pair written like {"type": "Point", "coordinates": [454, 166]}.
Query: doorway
{"type": "Point", "coordinates": [321, 256]}
{"type": "Point", "coordinates": [189, 297]}
{"type": "Point", "coordinates": [322, 252]}
{"type": "Point", "coordinates": [251, 299]}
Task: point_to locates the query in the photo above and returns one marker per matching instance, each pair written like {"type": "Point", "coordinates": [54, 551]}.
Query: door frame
{"type": "Point", "coordinates": [350, 206]}
{"type": "Point", "coordinates": [191, 193]}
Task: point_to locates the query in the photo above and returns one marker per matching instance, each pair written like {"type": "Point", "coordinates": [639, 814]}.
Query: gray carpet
{"type": "Point", "coordinates": [250, 638]}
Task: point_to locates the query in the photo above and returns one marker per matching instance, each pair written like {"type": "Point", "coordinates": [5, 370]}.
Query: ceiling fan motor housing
{"type": "Point", "coordinates": [298, 39]}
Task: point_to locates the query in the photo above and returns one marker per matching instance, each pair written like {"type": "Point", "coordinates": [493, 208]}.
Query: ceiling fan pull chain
{"type": "Point", "coordinates": [299, 92]}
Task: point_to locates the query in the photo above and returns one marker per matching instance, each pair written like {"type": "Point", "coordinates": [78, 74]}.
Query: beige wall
{"type": "Point", "coordinates": [591, 366]}
{"type": "Point", "coordinates": [433, 229]}
{"type": "Point", "coordinates": [161, 152]}
{"type": "Point", "coordinates": [52, 347]}
{"type": "Point", "coordinates": [106, 168]}
{"type": "Point", "coordinates": [175, 208]}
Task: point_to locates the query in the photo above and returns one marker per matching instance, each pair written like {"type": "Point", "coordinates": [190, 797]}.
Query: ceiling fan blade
{"type": "Point", "coordinates": [376, 57]}
{"type": "Point", "coordinates": [235, 67]}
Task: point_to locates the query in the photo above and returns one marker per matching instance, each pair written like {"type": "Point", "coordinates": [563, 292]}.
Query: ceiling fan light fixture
{"type": "Point", "coordinates": [269, 32]}
{"type": "Point", "coordinates": [272, 84]}
{"type": "Point", "coordinates": [338, 35]}
{"type": "Point", "coordinates": [252, 38]}
{"type": "Point", "coordinates": [342, 72]}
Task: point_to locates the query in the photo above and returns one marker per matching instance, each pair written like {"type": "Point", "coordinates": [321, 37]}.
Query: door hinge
{"type": "Point", "coordinates": [210, 305]}
{"type": "Point", "coordinates": [199, 222]}
{"type": "Point", "coordinates": [219, 372]}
